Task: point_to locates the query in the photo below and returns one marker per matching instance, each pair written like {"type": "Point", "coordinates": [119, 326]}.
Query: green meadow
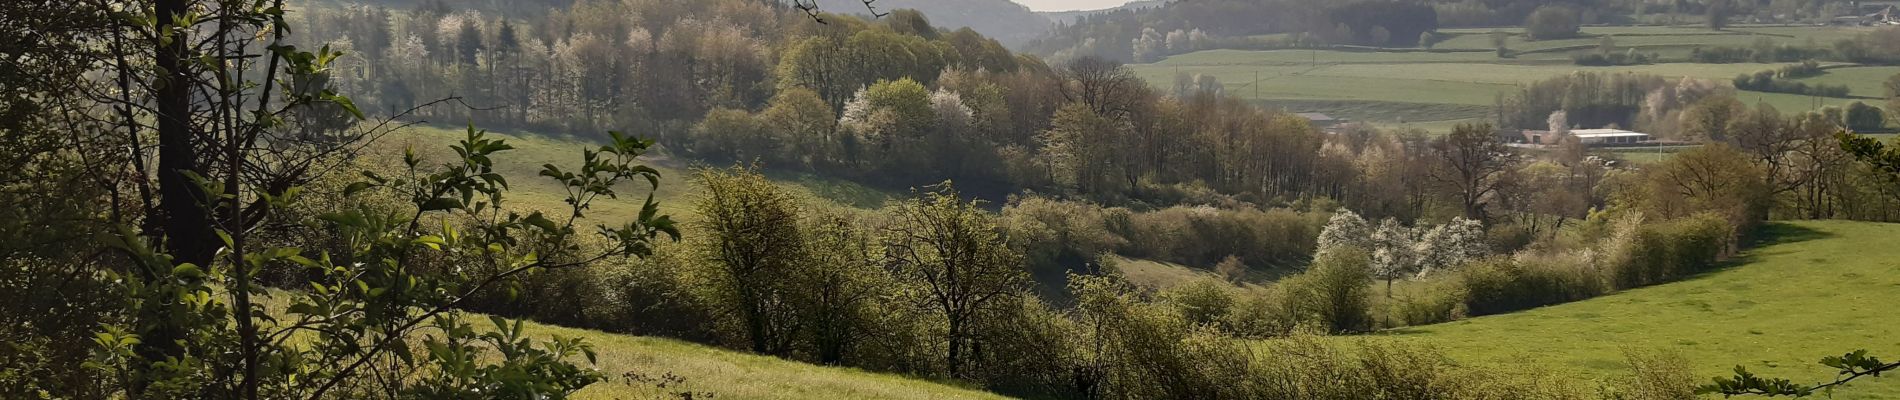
{"type": "Point", "coordinates": [1812, 289]}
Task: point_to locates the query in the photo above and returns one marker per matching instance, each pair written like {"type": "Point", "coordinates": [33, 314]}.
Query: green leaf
{"type": "Point", "coordinates": [188, 271]}
{"type": "Point", "coordinates": [354, 188]}
{"type": "Point", "coordinates": [440, 204]}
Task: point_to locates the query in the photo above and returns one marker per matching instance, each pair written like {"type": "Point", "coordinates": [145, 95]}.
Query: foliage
{"type": "Point", "coordinates": [1553, 22]}
{"type": "Point", "coordinates": [1861, 117]}
{"type": "Point", "coordinates": [1331, 294]}
{"type": "Point", "coordinates": [369, 302]}
{"type": "Point", "coordinates": [964, 266]}
{"type": "Point", "coordinates": [749, 236]}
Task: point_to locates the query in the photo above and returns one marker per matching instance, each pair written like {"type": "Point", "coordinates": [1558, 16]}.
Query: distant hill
{"type": "Point", "coordinates": [1069, 16]}
{"type": "Point", "coordinates": [1003, 20]}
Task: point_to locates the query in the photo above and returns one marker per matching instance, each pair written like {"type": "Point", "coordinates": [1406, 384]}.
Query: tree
{"type": "Point", "coordinates": [753, 245]}
{"type": "Point", "coordinates": [953, 249]}
{"type": "Point", "coordinates": [1770, 140]}
{"type": "Point", "coordinates": [838, 288]}
{"type": "Point", "coordinates": [1892, 86]}
{"type": "Point", "coordinates": [1079, 148]}
{"type": "Point", "coordinates": [1861, 117]}
{"type": "Point", "coordinates": [1558, 123]}
{"type": "Point", "coordinates": [1345, 229]}
{"type": "Point", "coordinates": [1381, 36]}
{"type": "Point", "coordinates": [1451, 245]}
{"type": "Point", "coordinates": [1333, 292]}
{"type": "Point", "coordinates": [1718, 14]}
{"type": "Point", "coordinates": [350, 334]}
{"type": "Point", "coordinates": [1708, 119]}
{"type": "Point", "coordinates": [1553, 22]}
{"type": "Point", "coordinates": [1471, 163]}
{"type": "Point", "coordinates": [1394, 253]}
{"type": "Point", "coordinates": [1502, 41]}
{"type": "Point", "coordinates": [1106, 87]}
{"type": "Point", "coordinates": [801, 121]}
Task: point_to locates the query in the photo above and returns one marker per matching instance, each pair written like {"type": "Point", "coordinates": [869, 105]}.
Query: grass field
{"type": "Point", "coordinates": [1437, 89]}
{"type": "Point", "coordinates": [724, 373]}
{"type": "Point", "coordinates": [533, 192]}
{"type": "Point", "coordinates": [732, 375]}
{"type": "Point", "coordinates": [1815, 289]}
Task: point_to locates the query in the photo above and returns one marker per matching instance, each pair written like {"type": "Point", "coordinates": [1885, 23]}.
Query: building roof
{"type": "Point", "coordinates": [1604, 133]}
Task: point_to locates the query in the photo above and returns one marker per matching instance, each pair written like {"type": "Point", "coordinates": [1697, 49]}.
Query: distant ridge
{"type": "Point", "coordinates": [1007, 22]}
{"type": "Point", "coordinates": [1069, 16]}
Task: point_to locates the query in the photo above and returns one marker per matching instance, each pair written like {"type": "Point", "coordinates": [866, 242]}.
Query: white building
{"type": "Point", "coordinates": [1610, 137]}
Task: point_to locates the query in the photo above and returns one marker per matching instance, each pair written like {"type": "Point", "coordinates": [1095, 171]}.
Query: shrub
{"type": "Point", "coordinates": [1332, 294]}
{"type": "Point", "coordinates": [1656, 375]}
{"type": "Point", "coordinates": [1202, 302]}
{"type": "Point", "coordinates": [1502, 285]}
{"type": "Point", "coordinates": [1673, 250]}
{"type": "Point", "coordinates": [1206, 235]}
{"type": "Point", "coordinates": [1442, 300]}
{"type": "Point", "coordinates": [1057, 236]}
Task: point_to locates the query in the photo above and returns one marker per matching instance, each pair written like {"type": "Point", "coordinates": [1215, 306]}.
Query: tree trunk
{"type": "Point", "coordinates": [184, 223]}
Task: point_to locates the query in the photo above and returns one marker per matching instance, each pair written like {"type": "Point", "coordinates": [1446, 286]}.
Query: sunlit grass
{"type": "Point", "coordinates": [1822, 288]}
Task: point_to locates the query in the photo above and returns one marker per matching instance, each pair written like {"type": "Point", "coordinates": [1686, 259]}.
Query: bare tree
{"type": "Point", "coordinates": [1472, 163]}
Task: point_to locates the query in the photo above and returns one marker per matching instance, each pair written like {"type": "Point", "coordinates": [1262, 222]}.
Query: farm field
{"type": "Point", "coordinates": [1815, 289]}
{"type": "Point", "coordinates": [1437, 89]}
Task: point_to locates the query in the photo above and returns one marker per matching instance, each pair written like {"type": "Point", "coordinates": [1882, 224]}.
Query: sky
{"type": "Point", "coordinates": [1067, 5]}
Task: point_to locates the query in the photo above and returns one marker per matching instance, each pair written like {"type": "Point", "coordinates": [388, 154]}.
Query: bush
{"type": "Point", "coordinates": [1501, 285]}
{"type": "Point", "coordinates": [1205, 235]}
{"type": "Point", "coordinates": [1656, 375]}
{"type": "Point", "coordinates": [1203, 302]}
{"type": "Point", "coordinates": [1057, 236]}
{"type": "Point", "coordinates": [1442, 300]}
{"type": "Point", "coordinates": [1332, 294]}
{"type": "Point", "coordinates": [1673, 250]}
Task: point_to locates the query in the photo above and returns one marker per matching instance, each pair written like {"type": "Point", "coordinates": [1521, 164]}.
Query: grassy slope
{"type": "Point", "coordinates": [531, 191]}
{"type": "Point", "coordinates": [733, 375]}
{"type": "Point", "coordinates": [1435, 89]}
{"type": "Point", "coordinates": [727, 374]}
{"type": "Point", "coordinates": [1822, 288]}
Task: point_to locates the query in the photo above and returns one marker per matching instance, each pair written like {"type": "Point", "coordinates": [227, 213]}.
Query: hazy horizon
{"type": "Point", "coordinates": [1070, 5]}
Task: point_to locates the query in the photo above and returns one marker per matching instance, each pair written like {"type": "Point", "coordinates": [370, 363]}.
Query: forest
{"type": "Point", "coordinates": [207, 205]}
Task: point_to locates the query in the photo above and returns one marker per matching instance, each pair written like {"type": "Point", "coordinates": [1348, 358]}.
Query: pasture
{"type": "Point", "coordinates": [1812, 290]}
{"type": "Point", "coordinates": [1455, 83]}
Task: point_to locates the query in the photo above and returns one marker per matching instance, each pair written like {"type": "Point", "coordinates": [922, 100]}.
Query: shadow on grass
{"type": "Point", "coordinates": [1783, 233]}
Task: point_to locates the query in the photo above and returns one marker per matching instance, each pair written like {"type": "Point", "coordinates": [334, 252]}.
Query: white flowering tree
{"type": "Point", "coordinates": [1344, 229]}
{"type": "Point", "coordinates": [1402, 252]}
{"type": "Point", "coordinates": [1394, 252]}
{"type": "Point", "coordinates": [1450, 245]}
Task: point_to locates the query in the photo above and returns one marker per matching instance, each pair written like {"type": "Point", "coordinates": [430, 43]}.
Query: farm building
{"type": "Point", "coordinates": [1610, 137]}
